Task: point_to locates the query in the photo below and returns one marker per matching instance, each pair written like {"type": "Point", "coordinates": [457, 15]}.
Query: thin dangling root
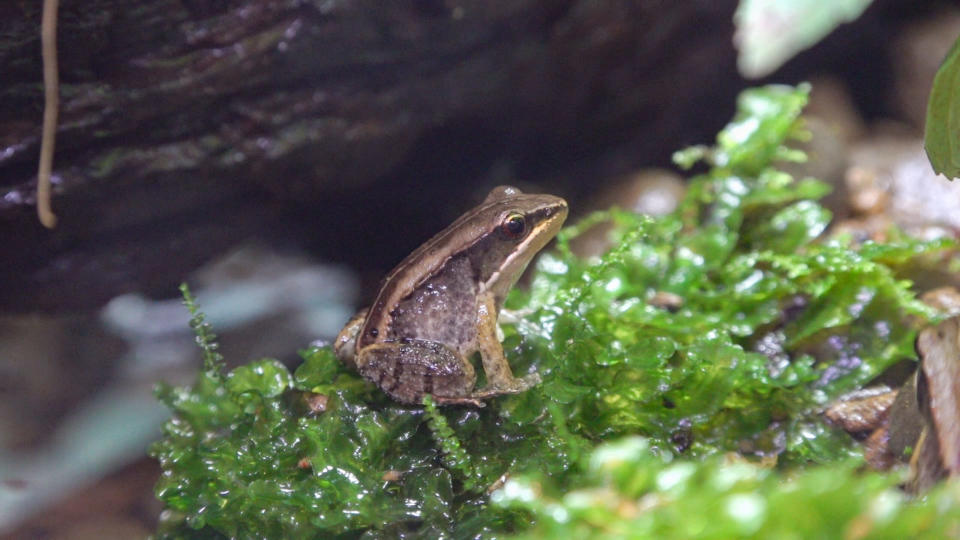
{"type": "Point", "coordinates": [48, 45]}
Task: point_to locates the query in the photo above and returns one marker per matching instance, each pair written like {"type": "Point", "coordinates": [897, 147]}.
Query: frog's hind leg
{"type": "Point", "coordinates": [408, 370]}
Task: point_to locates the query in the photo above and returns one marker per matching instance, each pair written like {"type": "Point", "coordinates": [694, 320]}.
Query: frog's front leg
{"type": "Point", "coordinates": [409, 369]}
{"type": "Point", "coordinates": [500, 379]}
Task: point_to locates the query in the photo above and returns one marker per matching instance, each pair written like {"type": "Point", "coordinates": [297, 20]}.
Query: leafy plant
{"type": "Point", "coordinates": [767, 324]}
{"type": "Point", "coordinates": [942, 135]}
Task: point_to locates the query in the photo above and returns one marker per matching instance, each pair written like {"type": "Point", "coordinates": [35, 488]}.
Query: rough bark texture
{"type": "Point", "coordinates": [189, 125]}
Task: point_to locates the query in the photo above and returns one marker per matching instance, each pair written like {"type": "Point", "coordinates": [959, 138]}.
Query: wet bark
{"type": "Point", "coordinates": [187, 126]}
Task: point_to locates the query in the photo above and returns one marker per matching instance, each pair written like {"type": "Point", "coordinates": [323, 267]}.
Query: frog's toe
{"type": "Point", "coordinates": [522, 384]}
{"type": "Point", "coordinates": [513, 386]}
{"type": "Point", "coordinates": [531, 379]}
{"type": "Point", "coordinates": [459, 401]}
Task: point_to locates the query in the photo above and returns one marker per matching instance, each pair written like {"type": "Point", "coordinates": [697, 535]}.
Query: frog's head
{"type": "Point", "coordinates": [511, 228]}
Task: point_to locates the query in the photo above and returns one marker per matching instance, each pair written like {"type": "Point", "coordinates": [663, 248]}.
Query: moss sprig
{"type": "Point", "coordinates": [455, 457]}
{"type": "Point", "coordinates": [205, 338]}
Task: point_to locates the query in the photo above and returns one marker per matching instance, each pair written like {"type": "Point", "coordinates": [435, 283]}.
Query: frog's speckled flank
{"type": "Point", "coordinates": [440, 305]}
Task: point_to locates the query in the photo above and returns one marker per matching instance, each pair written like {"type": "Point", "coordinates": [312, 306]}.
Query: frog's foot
{"type": "Point", "coordinates": [509, 386]}
{"type": "Point", "coordinates": [469, 400]}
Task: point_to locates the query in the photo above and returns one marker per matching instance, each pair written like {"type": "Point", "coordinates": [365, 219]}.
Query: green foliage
{"type": "Point", "coordinates": [771, 324]}
{"type": "Point", "coordinates": [765, 118]}
{"type": "Point", "coordinates": [942, 136]}
{"type": "Point", "coordinates": [632, 492]}
{"type": "Point", "coordinates": [244, 456]}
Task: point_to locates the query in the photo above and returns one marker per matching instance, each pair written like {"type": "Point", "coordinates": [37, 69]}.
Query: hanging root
{"type": "Point", "coordinates": [48, 44]}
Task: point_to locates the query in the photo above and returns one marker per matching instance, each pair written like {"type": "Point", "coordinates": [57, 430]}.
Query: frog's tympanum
{"type": "Point", "coordinates": [439, 306]}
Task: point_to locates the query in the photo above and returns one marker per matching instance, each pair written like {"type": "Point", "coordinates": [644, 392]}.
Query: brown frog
{"type": "Point", "coordinates": [440, 305]}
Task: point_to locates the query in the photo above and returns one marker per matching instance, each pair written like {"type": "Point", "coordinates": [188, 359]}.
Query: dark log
{"type": "Point", "coordinates": [188, 126]}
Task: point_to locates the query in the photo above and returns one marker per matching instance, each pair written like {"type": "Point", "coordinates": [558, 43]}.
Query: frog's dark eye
{"type": "Point", "coordinates": [513, 226]}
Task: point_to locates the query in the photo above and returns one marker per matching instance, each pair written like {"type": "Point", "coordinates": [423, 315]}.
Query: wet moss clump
{"type": "Point", "coordinates": [642, 403]}
{"type": "Point", "coordinates": [631, 491]}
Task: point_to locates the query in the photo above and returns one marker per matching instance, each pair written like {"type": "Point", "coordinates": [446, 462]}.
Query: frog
{"type": "Point", "coordinates": [440, 305]}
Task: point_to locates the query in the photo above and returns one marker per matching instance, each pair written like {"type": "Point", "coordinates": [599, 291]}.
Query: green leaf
{"type": "Point", "coordinates": [564, 392]}
{"type": "Point", "coordinates": [942, 134]}
{"type": "Point", "coordinates": [770, 32]}
{"type": "Point", "coordinates": [766, 117]}
{"type": "Point", "coordinates": [268, 378]}
{"type": "Point", "coordinates": [790, 228]}
{"type": "Point", "coordinates": [318, 370]}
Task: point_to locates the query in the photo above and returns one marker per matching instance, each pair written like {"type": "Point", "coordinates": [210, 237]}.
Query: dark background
{"type": "Point", "coordinates": [334, 133]}
{"type": "Point", "coordinates": [352, 130]}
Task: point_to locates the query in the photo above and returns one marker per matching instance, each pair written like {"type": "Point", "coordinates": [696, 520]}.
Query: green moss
{"type": "Point", "coordinates": [773, 324]}
{"type": "Point", "coordinates": [632, 492]}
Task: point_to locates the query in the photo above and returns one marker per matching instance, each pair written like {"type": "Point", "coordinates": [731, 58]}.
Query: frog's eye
{"type": "Point", "coordinates": [513, 226]}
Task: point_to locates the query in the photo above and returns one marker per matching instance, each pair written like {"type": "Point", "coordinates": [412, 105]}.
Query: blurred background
{"type": "Point", "coordinates": [282, 156]}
